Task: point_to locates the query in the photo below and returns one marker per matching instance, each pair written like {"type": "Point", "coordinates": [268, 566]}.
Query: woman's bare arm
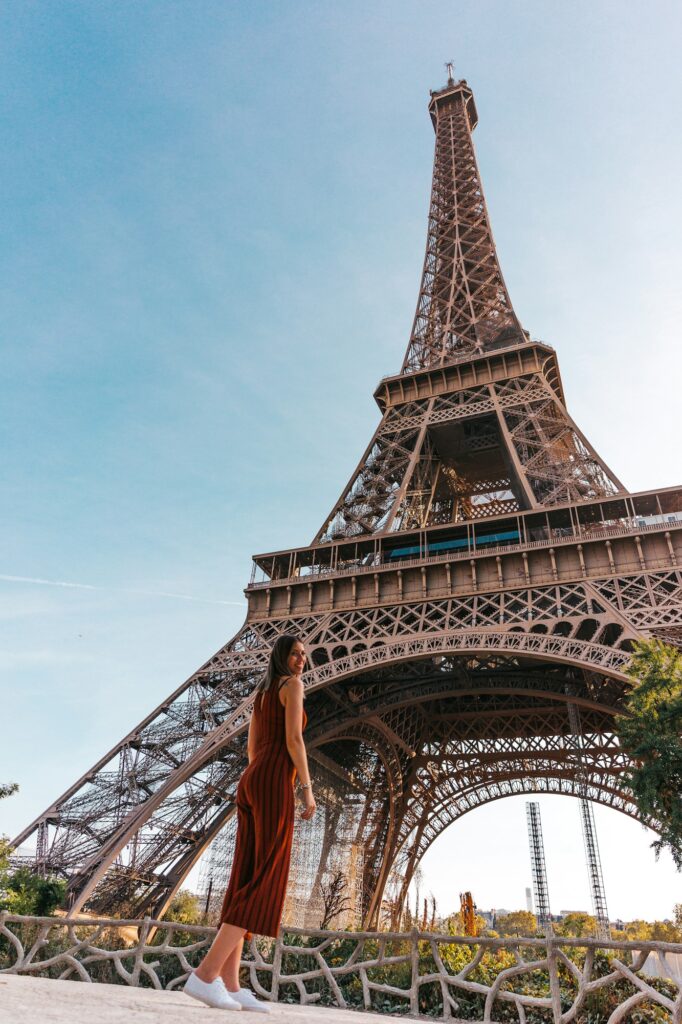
{"type": "Point", "coordinates": [292, 692]}
{"type": "Point", "coordinates": [252, 741]}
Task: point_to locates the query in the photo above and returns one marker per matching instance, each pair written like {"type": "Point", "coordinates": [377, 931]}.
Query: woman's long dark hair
{"type": "Point", "coordinates": [277, 665]}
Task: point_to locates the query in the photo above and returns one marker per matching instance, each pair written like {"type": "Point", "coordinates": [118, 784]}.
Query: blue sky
{"type": "Point", "coordinates": [213, 227]}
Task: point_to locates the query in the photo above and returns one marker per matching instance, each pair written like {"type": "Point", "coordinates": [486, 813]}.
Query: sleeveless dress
{"type": "Point", "coordinates": [265, 826]}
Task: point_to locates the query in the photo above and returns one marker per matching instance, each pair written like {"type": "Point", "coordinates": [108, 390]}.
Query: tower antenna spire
{"type": "Point", "coordinates": [450, 65]}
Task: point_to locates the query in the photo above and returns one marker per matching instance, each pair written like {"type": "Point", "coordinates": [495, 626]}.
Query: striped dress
{"type": "Point", "coordinates": [265, 826]}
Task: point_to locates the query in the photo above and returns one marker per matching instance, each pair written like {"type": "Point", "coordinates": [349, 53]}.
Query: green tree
{"type": "Point", "coordinates": [666, 931]}
{"type": "Point", "coordinates": [5, 852]}
{"type": "Point", "coordinates": [638, 930]}
{"type": "Point", "coordinates": [651, 730]}
{"type": "Point", "coordinates": [27, 893]}
{"type": "Point", "coordinates": [518, 922]}
{"type": "Point", "coordinates": [184, 908]}
{"type": "Point", "coordinates": [578, 926]}
{"type": "Point", "coordinates": [22, 892]}
{"type": "Point", "coordinates": [5, 848]}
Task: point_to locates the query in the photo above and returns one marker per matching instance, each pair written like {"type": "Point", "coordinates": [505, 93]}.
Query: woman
{"type": "Point", "coordinates": [265, 825]}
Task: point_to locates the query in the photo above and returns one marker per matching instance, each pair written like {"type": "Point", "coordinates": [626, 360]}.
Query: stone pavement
{"type": "Point", "coordinates": [26, 1000]}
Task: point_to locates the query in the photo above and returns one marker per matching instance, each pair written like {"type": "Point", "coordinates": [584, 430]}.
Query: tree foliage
{"type": "Point", "coordinates": [23, 892]}
{"type": "Point", "coordinates": [5, 853]}
{"type": "Point", "coordinates": [184, 908]}
{"type": "Point", "coordinates": [577, 925]}
{"type": "Point", "coordinates": [651, 732]}
{"type": "Point", "coordinates": [665, 931]}
{"type": "Point", "coordinates": [648, 931]}
{"type": "Point", "coordinates": [517, 922]}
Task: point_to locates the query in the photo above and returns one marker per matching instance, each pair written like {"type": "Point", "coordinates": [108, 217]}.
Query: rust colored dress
{"type": "Point", "coordinates": [265, 826]}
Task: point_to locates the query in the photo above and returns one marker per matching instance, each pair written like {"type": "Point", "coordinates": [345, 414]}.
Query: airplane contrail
{"type": "Point", "coordinates": [121, 590]}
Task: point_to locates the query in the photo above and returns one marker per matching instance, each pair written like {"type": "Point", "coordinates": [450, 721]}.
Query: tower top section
{"type": "Point", "coordinates": [464, 309]}
{"type": "Point", "coordinates": [453, 89]}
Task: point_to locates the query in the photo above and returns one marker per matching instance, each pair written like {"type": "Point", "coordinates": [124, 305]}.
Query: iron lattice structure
{"type": "Point", "coordinates": [482, 572]}
{"type": "Point", "coordinates": [537, 866]}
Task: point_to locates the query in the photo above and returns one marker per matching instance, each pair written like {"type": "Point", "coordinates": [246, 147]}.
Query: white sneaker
{"type": "Point", "coordinates": [247, 1000]}
{"type": "Point", "coordinates": [212, 993]}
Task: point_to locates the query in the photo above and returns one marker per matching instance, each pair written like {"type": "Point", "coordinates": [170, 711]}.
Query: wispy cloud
{"type": "Point", "coordinates": [14, 660]}
{"type": "Point", "coordinates": [38, 581]}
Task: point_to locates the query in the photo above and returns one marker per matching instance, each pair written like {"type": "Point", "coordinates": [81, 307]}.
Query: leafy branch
{"type": "Point", "coordinates": [651, 731]}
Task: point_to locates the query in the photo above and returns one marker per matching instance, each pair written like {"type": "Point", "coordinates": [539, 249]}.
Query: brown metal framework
{"type": "Point", "coordinates": [483, 575]}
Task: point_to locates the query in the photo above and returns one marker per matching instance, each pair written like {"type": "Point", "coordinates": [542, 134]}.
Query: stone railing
{"type": "Point", "coordinates": [442, 976]}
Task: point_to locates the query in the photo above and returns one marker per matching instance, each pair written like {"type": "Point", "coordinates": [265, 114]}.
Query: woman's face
{"type": "Point", "coordinates": [297, 658]}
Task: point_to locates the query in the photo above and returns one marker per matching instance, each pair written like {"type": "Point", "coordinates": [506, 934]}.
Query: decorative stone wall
{"type": "Point", "coordinates": [551, 978]}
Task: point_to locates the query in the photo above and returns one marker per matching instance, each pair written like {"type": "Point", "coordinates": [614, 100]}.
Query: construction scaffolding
{"type": "Point", "coordinates": [538, 868]}
{"type": "Point", "coordinates": [592, 858]}
{"type": "Point", "coordinates": [599, 908]}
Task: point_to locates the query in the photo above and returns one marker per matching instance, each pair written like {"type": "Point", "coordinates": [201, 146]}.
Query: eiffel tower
{"type": "Point", "coordinates": [473, 594]}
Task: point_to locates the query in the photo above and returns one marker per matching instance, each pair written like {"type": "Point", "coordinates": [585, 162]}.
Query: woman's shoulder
{"type": "Point", "coordinates": [289, 681]}
{"type": "Point", "coordinates": [289, 684]}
